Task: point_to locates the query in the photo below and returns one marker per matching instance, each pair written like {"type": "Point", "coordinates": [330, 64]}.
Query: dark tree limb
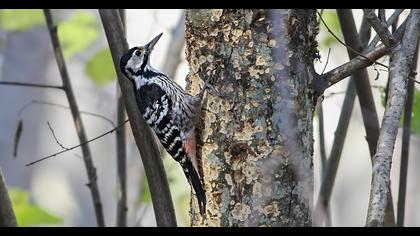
{"type": "Point", "coordinates": [382, 16]}
{"type": "Point", "coordinates": [365, 32]}
{"type": "Point", "coordinates": [383, 32]}
{"type": "Point", "coordinates": [361, 79]}
{"type": "Point", "coordinates": [405, 145]}
{"type": "Point", "coordinates": [121, 152]}
{"type": "Point", "coordinates": [90, 168]}
{"type": "Point", "coordinates": [153, 165]}
{"type": "Point", "coordinates": [7, 216]}
{"type": "Point", "coordinates": [399, 74]}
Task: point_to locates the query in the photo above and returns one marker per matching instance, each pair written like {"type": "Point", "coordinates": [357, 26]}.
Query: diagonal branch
{"type": "Point", "coordinates": [399, 73]}
{"type": "Point", "coordinates": [361, 79]}
{"type": "Point", "coordinates": [90, 168]}
{"type": "Point", "coordinates": [155, 172]}
{"type": "Point", "coordinates": [405, 145]}
{"type": "Point", "coordinates": [336, 75]}
{"type": "Point", "coordinates": [383, 32]}
{"type": "Point", "coordinates": [7, 216]}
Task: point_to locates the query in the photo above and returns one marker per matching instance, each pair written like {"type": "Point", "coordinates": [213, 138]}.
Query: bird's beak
{"type": "Point", "coordinates": [152, 43]}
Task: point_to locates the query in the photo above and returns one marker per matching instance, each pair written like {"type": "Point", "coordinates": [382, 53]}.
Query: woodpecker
{"type": "Point", "coordinates": [168, 109]}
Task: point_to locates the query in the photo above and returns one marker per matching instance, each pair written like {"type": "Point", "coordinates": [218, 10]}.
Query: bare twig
{"type": "Point", "coordinates": [405, 145]}
{"type": "Point", "coordinates": [78, 145]}
{"type": "Point", "coordinates": [31, 85]}
{"type": "Point", "coordinates": [121, 152]}
{"type": "Point", "coordinates": [364, 92]}
{"type": "Point", "coordinates": [156, 176]}
{"type": "Point", "coordinates": [18, 134]}
{"type": "Point", "coordinates": [55, 137]}
{"type": "Point", "coordinates": [7, 216]}
{"type": "Point", "coordinates": [326, 63]}
{"type": "Point", "coordinates": [90, 168]}
{"type": "Point", "coordinates": [400, 70]}
{"type": "Point", "coordinates": [383, 32]}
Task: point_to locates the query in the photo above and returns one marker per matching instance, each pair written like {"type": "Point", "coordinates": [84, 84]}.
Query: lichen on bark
{"type": "Point", "coordinates": [251, 177]}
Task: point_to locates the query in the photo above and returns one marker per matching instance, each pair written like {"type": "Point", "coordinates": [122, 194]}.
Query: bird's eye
{"type": "Point", "coordinates": [137, 53]}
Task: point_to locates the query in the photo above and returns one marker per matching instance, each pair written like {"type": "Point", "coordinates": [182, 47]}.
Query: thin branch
{"type": "Point", "coordinates": [90, 168]}
{"type": "Point", "coordinates": [153, 165]}
{"type": "Point", "coordinates": [30, 85]}
{"type": "Point", "coordinates": [7, 216]}
{"type": "Point", "coordinates": [405, 145]}
{"type": "Point", "coordinates": [121, 151]}
{"type": "Point", "coordinates": [78, 145]}
{"type": "Point", "coordinates": [364, 92]}
{"type": "Point", "coordinates": [55, 137]}
{"type": "Point", "coordinates": [326, 63]}
{"type": "Point", "coordinates": [336, 75]}
{"type": "Point", "coordinates": [65, 107]}
{"type": "Point", "coordinates": [400, 71]}
{"type": "Point", "coordinates": [381, 30]}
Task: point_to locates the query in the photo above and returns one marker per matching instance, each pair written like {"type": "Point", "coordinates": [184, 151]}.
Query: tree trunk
{"type": "Point", "coordinates": [255, 141]}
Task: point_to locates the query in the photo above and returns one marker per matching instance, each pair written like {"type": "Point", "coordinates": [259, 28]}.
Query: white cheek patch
{"type": "Point", "coordinates": [134, 63]}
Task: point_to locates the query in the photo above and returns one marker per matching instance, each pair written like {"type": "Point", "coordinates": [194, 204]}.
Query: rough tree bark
{"type": "Point", "coordinates": [256, 141]}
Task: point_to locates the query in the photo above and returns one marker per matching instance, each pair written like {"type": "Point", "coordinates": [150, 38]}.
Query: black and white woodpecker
{"type": "Point", "coordinates": [169, 111]}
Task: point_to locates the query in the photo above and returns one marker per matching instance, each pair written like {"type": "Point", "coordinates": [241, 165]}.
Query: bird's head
{"type": "Point", "coordinates": [137, 59]}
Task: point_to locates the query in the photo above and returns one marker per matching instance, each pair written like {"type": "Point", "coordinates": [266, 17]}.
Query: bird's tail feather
{"type": "Point", "coordinates": [195, 181]}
